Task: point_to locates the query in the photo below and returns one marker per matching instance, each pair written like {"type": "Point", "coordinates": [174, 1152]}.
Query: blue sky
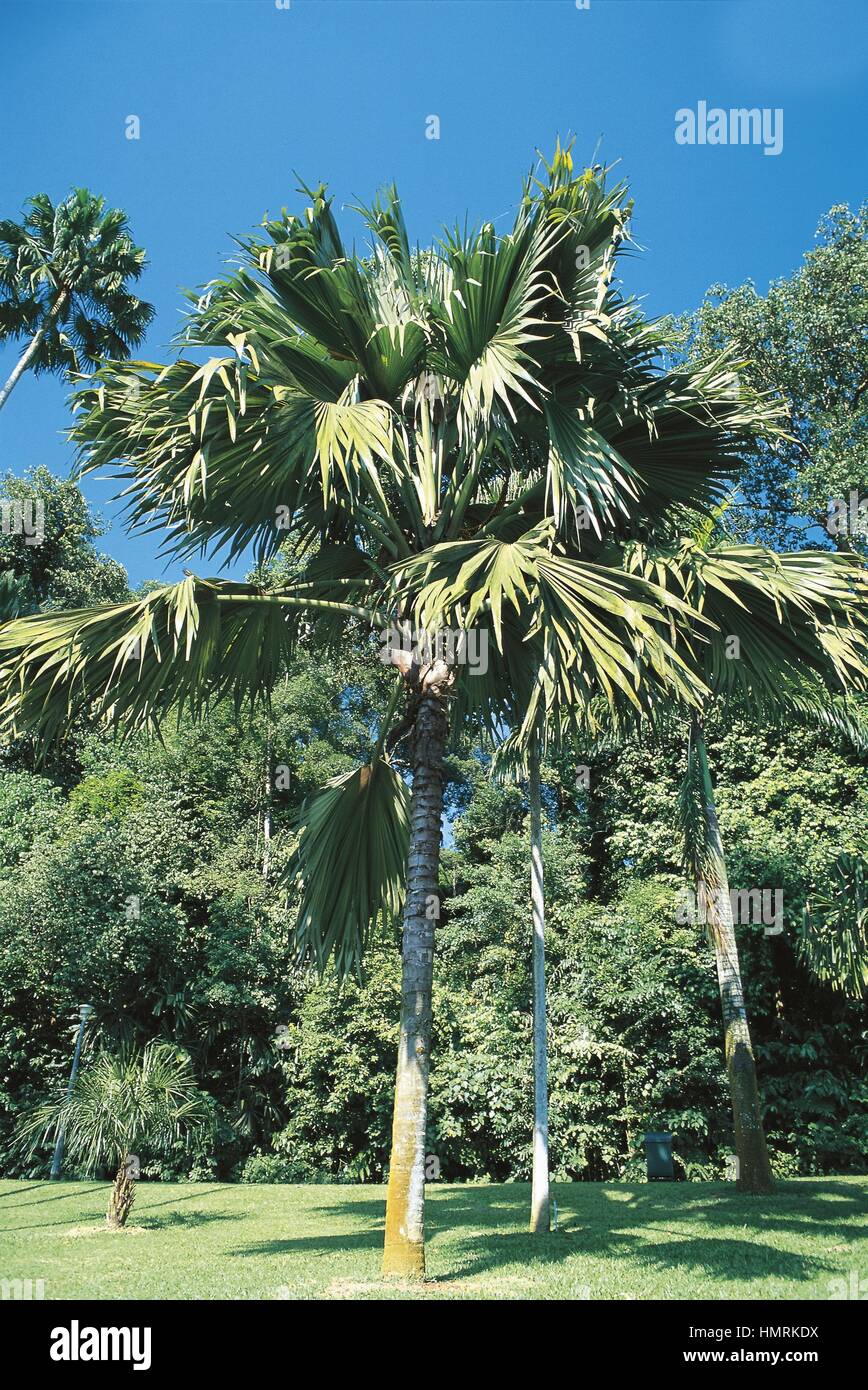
{"type": "Point", "coordinates": [234, 95]}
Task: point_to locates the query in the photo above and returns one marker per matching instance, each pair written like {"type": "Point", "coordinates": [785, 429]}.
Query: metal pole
{"type": "Point", "coordinates": [84, 1012]}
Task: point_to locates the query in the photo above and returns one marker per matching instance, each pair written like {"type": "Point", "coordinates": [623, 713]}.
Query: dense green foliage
{"type": "Point", "coordinates": [64, 570]}
{"type": "Point", "coordinates": [135, 884]}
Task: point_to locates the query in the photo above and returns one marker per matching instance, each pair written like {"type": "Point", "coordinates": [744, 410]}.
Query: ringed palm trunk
{"type": "Point", "coordinates": [404, 1253]}
{"type": "Point", "coordinates": [27, 357]}
{"type": "Point", "coordinates": [122, 1196]}
{"type": "Point", "coordinates": [539, 1200]}
{"type": "Point", "coordinates": [754, 1169]}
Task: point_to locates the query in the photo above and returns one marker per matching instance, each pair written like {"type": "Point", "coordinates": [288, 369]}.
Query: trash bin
{"type": "Point", "coordinates": [658, 1157]}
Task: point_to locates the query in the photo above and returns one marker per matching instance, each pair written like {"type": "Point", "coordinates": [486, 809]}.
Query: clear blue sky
{"type": "Point", "coordinates": [233, 95]}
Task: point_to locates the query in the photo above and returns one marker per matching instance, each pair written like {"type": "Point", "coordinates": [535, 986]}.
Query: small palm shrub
{"type": "Point", "coordinates": [122, 1105]}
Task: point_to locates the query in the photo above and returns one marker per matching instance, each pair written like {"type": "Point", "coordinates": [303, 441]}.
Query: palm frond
{"type": "Point", "coordinates": [126, 1103]}
{"type": "Point", "coordinates": [179, 648]}
{"type": "Point", "coordinates": [349, 863]}
{"type": "Point", "coordinates": [833, 940]}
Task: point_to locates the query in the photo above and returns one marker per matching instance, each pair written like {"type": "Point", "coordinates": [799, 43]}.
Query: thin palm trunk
{"type": "Point", "coordinates": [754, 1171]}
{"type": "Point", "coordinates": [404, 1252]}
{"type": "Point", "coordinates": [539, 1200]}
{"type": "Point", "coordinates": [31, 350]}
{"type": "Point", "coordinates": [267, 812]}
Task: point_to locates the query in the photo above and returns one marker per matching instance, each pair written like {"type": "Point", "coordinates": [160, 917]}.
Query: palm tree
{"type": "Point", "coordinates": [788, 639]}
{"type": "Point", "coordinates": [64, 275]}
{"type": "Point", "coordinates": [802, 620]}
{"type": "Point", "coordinates": [123, 1105]}
{"type": "Point", "coordinates": [452, 439]}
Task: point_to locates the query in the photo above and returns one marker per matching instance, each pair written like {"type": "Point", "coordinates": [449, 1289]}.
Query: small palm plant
{"type": "Point", "coordinates": [138, 1099]}
{"type": "Point", "coordinates": [64, 273]}
{"type": "Point", "coordinates": [833, 941]}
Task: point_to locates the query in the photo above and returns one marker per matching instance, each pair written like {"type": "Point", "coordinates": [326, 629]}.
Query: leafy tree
{"type": "Point", "coordinates": [47, 546]}
{"type": "Point", "coordinates": [64, 276]}
{"type": "Point", "coordinates": [805, 342]}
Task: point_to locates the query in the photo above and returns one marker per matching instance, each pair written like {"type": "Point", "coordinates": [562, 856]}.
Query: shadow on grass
{"type": "Point", "coordinates": [16, 1191]}
{"type": "Point", "coordinates": [197, 1196]}
{"type": "Point", "coordinates": [607, 1221]}
{"type": "Point", "coordinates": [55, 1197]}
{"type": "Point", "coordinates": [142, 1209]}
{"type": "Point", "coordinates": [312, 1245]}
{"type": "Point", "coordinates": [186, 1220]}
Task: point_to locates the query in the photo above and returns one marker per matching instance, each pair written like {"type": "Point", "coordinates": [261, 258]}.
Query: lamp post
{"type": "Point", "coordinates": [84, 1012]}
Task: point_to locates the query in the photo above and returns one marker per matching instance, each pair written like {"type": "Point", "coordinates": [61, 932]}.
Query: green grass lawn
{"type": "Point", "coordinates": [212, 1240]}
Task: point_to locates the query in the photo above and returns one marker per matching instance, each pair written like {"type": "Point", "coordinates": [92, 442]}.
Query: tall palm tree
{"type": "Point", "coordinates": [802, 619]}
{"type": "Point", "coordinates": [64, 284]}
{"type": "Point", "coordinates": [122, 1106]}
{"type": "Point", "coordinates": [455, 438]}
{"type": "Point", "coordinates": [789, 638]}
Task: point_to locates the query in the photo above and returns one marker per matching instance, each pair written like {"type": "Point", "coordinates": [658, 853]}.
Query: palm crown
{"type": "Point", "coordinates": [137, 1100]}
{"type": "Point", "coordinates": [65, 271]}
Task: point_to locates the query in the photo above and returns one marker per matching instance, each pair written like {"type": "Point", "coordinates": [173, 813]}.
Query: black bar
{"type": "Point", "coordinates": [228, 1337]}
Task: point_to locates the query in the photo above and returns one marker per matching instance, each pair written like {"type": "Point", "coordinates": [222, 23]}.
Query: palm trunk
{"type": "Point", "coordinates": [267, 812]}
{"type": "Point", "coordinates": [31, 350]}
{"type": "Point", "coordinates": [539, 1200]}
{"type": "Point", "coordinates": [754, 1170]}
{"type": "Point", "coordinates": [404, 1252]}
{"type": "Point", "coordinates": [122, 1195]}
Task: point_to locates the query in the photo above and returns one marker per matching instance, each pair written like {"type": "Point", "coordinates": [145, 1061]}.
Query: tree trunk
{"type": "Point", "coordinates": [122, 1195]}
{"type": "Point", "coordinates": [267, 812]}
{"type": "Point", "coordinates": [754, 1170]}
{"type": "Point", "coordinates": [539, 1199]}
{"type": "Point", "coordinates": [31, 350]}
{"type": "Point", "coordinates": [404, 1253]}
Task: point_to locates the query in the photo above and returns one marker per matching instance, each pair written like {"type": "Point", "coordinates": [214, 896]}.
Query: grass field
{"type": "Point", "coordinates": [210, 1240]}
